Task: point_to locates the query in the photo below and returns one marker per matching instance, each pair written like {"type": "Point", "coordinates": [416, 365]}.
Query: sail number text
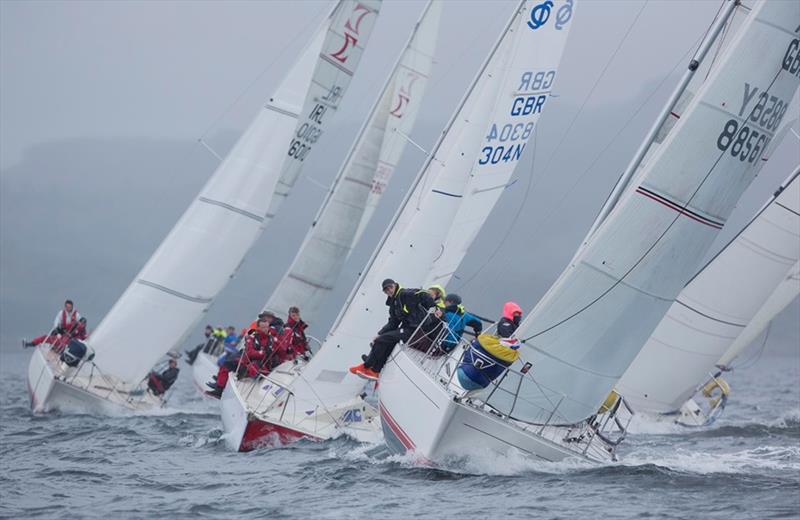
{"type": "Point", "coordinates": [748, 139]}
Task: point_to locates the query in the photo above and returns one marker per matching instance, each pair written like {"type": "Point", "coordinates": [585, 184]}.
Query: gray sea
{"type": "Point", "coordinates": [175, 464]}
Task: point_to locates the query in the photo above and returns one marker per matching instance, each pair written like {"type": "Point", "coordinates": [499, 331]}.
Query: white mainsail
{"type": "Point", "coordinates": [473, 160]}
{"type": "Point", "coordinates": [784, 294]}
{"type": "Point", "coordinates": [716, 306]}
{"type": "Point", "coordinates": [182, 278]}
{"type": "Point", "coordinates": [587, 329]}
{"type": "Point", "coordinates": [362, 178]}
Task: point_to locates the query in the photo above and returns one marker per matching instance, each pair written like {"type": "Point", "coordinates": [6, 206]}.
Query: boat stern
{"type": "Point", "coordinates": [41, 380]}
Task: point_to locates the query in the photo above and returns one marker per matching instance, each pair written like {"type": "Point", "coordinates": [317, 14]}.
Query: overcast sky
{"type": "Point", "coordinates": [101, 104]}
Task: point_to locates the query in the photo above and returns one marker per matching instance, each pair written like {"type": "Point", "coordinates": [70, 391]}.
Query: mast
{"type": "Point", "coordinates": [694, 64]}
{"type": "Point", "coordinates": [421, 174]}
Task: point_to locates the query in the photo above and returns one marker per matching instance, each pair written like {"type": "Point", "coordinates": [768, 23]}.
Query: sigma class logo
{"type": "Point", "coordinates": [351, 31]}
{"type": "Point", "coordinates": [540, 14]}
{"type": "Point", "coordinates": [404, 93]}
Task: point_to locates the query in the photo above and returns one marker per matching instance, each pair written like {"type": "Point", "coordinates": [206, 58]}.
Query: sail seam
{"type": "Point", "coordinates": [231, 208]}
{"type": "Point", "coordinates": [337, 65]}
{"type": "Point", "coordinates": [282, 111]}
{"type": "Point", "coordinates": [309, 282]}
{"type": "Point", "coordinates": [718, 320]}
{"type": "Point", "coordinates": [787, 208]}
{"type": "Point", "coordinates": [172, 292]}
{"type": "Point", "coordinates": [680, 209]}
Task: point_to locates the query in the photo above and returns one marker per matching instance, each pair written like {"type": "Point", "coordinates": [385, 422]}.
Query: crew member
{"type": "Point", "coordinates": [160, 383]}
{"type": "Point", "coordinates": [407, 309]}
{"type": "Point", "coordinates": [64, 321]}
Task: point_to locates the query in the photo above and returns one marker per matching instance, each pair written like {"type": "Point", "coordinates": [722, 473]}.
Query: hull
{"type": "Point", "coordinates": [422, 415]}
{"type": "Point", "coordinates": [203, 370]}
{"type": "Point", "coordinates": [258, 413]}
{"type": "Point", "coordinates": [55, 387]}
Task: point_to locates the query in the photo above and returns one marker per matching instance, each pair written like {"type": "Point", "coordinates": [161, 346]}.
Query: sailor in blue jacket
{"type": "Point", "coordinates": [457, 319]}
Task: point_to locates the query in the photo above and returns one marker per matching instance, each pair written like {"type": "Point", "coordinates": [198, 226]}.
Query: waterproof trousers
{"type": "Point", "coordinates": [382, 348]}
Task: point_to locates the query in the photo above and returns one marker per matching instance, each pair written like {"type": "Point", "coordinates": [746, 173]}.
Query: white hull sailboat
{"type": "Point", "coordinates": [453, 194]}
{"type": "Point", "coordinates": [692, 345]}
{"type": "Point", "coordinates": [268, 405]}
{"type": "Point", "coordinates": [646, 243]}
{"type": "Point", "coordinates": [183, 277]}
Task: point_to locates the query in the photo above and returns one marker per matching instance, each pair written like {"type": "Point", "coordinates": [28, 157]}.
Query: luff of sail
{"type": "Point", "coordinates": [587, 329]}
{"type": "Point", "coordinates": [458, 167]}
{"type": "Point", "coordinates": [362, 178]}
{"type": "Point", "coordinates": [204, 249]}
{"type": "Point", "coordinates": [715, 307]}
{"type": "Point", "coordinates": [781, 297]}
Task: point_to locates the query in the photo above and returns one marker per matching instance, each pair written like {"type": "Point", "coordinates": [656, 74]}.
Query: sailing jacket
{"type": "Point", "coordinates": [407, 309]}
{"type": "Point", "coordinates": [457, 319]}
{"type": "Point", "coordinates": [64, 321]}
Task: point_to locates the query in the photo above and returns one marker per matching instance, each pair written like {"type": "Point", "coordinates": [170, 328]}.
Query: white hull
{"type": "Point", "coordinates": [55, 387]}
{"type": "Point", "coordinates": [420, 414]}
{"type": "Point", "coordinates": [203, 370]}
{"type": "Point", "coordinates": [262, 413]}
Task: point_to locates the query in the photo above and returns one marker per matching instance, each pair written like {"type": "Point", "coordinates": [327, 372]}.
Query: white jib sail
{"type": "Point", "coordinates": [783, 295]}
{"type": "Point", "coordinates": [362, 178]}
{"type": "Point", "coordinates": [715, 307]}
{"type": "Point", "coordinates": [180, 281]}
{"type": "Point", "coordinates": [505, 99]}
{"type": "Point", "coordinates": [587, 329]}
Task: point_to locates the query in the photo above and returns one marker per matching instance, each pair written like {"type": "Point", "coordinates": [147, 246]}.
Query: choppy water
{"type": "Point", "coordinates": [176, 464]}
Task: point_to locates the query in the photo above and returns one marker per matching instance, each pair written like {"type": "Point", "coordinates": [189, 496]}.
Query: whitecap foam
{"type": "Point", "coordinates": [760, 459]}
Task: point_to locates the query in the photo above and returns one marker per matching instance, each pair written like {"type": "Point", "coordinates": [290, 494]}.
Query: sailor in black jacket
{"type": "Point", "coordinates": [407, 309]}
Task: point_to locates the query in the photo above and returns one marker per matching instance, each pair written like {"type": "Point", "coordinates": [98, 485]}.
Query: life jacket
{"type": "Point", "coordinates": [67, 325]}
{"type": "Point", "coordinates": [487, 358]}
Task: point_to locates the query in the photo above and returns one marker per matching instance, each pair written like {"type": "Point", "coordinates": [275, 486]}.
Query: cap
{"type": "Point", "coordinates": [386, 282]}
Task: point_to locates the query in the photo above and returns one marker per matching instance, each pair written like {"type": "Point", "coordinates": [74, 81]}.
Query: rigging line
{"type": "Point", "coordinates": [661, 236]}
{"type": "Point", "coordinates": [722, 37]}
{"type": "Point", "coordinates": [594, 86]}
{"type": "Point", "coordinates": [278, 55]}
{"type": "Point", "coordinates": [591, 165]}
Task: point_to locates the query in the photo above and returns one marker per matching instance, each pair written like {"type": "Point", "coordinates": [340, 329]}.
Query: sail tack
{"type": "Point", "coordinates": [182, 278]}
{"type": "Point", "coordinates": [590, 325]}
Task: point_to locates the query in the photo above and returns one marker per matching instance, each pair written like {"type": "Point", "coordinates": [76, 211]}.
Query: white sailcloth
{"type": "Point", "coordinates": [479, 149]}
{"type": "Point", "coordinates": [204, 249]}
{"type": "Point", "coordinates": [784, 294]}
{"type": "Point", "coordinates": [715, 307]}
{"type": "Point", "coordinates": [590, 325]}
{"type": "Point", "coordinates": [362, 178]}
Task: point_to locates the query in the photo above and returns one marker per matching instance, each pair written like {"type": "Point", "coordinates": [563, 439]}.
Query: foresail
{"type": "Point", "coordinates": [715, 307]}
{"type": "Point", "coordinates": [207, 245]}
{"type": "Point", "coordinates": [346, 38]}
{"type": "Point", "coordinates": [505, 98]}
{"type": "Point", "coordinates": [362, 178]}
{"type": "Point", "coordinates": [784, 294]}
{"type": "Point", "coordinates": [587, 329]}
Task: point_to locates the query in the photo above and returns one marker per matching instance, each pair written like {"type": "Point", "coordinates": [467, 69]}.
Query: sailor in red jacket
{"type": "Point", "coordinates": [78, 331]}
{"type": "Point", "coordinates": [65, 320]}
{"type": "Point", "coordinates": [296, 343]}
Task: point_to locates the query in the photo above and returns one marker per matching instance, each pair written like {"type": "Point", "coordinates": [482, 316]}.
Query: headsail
{"type": "Point", "coordinates": [479, 148]}
{"type": "Point", "coordinates": [716, 306]}
{"type": "Point", "coordinates": [590, 325]}
{"type": "Point", "coordinates": [362, 178]}
{"type": "Point", "coordinates": [184, 275]}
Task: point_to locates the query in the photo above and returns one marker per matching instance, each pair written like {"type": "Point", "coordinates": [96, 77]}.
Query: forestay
{"type": "Point", "coordinates": [204, 249]}
{"type": "Point", "coordinates": [715, 307]}
{"type": "Point", "coordinates": [362, 178]}
{"type": "Point", "coordinates": [479, 148]}
{"type": "Point", "coordinates": [784, 294]}
{"type": "Point", "coordinates": [590, 325]}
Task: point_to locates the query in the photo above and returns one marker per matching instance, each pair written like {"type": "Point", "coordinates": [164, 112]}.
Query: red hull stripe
{"type": "Point", "coordinates": [683, 211]}
{"type": "Point", "coordinates": [261, 434]}
{"type": "Point", "coordinates": [398, 431]}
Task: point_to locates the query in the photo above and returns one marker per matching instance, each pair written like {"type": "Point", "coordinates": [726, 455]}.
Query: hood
{"type": "Point", "coordinates": [509, 308]}
{"type": "Point", "coordinates": [440, 289]}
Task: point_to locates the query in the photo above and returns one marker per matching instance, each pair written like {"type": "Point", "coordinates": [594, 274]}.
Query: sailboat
{"type": "Point", "coordinates": [686, 352]}
{"type": "Point", "coordinates": [338, 226]}
{"type": "Point", "coordinates": [466, 172]}
{"type": "Point", "coordinates": [355, 191]}
{"type": "Point", "coordinates": [555, 401]}
{"type": "Point", "coordinates": [183, 277]}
